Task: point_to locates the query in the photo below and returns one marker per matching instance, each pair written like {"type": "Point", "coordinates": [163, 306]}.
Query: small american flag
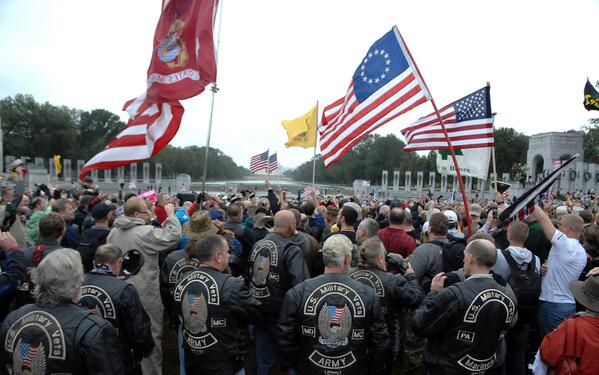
{"type": "Point", "coordinates": [335, 314]}
{"type": "Point", "coordinates": [468, 121]}
{"type": "Point", "coordinates": [273, 164]}
{"type": "Point", "coordinates": [259, 162]}
{"type": "Point", "coordinates": [27, 353]}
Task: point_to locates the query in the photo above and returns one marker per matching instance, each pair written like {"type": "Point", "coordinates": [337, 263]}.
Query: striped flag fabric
{"type": "Point", "coordinates": [524, 205]}
{"type": "Point", "coordinates": [273, 164]}
{"type": "Point", "coordinates": [150, 128]}
{"type": "Point", "coordinates": [258, 162]}
{"type": "Point", "coordinates": [385, 85]}
{"type": "Point", "coordinates": [468, 121]}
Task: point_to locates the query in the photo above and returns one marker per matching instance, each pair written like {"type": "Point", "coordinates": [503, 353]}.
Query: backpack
{"type": "Point", "coordinates": [526, 284]}
{"type": "Point", "coordinates": [452, 253]}
{"type": "Point", "coordinates": [90, 241]}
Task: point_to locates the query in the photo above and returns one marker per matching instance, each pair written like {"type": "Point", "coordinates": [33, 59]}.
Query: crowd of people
{"type": "Point", "coordinates": [311, 285]}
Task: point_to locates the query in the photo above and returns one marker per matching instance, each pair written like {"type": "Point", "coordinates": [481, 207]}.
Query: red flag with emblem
{"type": "Point", "coordinates": [183, 59]}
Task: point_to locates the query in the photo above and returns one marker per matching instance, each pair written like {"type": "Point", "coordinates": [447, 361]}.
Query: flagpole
{"type": "Point", "coordinates": [455, 160]}
{"type": "Point", "coordinates": [214, 90]}
{"type": "Point", "coordinates": [315, 138]}
{"type": "Point", "coordinates": [493, 150]}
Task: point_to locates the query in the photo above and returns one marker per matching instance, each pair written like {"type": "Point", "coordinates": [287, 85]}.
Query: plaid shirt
{"type": "Point", "coordinates": [397, 241]}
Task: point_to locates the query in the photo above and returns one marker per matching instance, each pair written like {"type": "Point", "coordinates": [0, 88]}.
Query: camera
{"type": "Point", "coordinates": [396, 263]}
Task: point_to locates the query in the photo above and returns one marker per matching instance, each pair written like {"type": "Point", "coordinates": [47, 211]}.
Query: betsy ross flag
{"type": "Point", "coordinates": [385, 85]}
{"type": "Point", "coordinates": [468, 121]}
{"type": "Point", "coordinates": [150, 128]}
{"type": "Point", "coordinates": [183, 59]}
{"type": "Point", "coordinates": [273, 164]}
{"type": "Point", "coordinates": [259, 162]}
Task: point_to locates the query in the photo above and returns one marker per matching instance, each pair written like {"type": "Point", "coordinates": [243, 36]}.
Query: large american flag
{"type": "Point", "coordinates": [150, 128]}
{"type": "Point", "coordinates": [385, 85]}
{"type": "Point", "coordinates": [258, 162]}
{"type": "Point", "coordinates": [273, 164]}
{"type": "Point", "coordinates": [468, 121]}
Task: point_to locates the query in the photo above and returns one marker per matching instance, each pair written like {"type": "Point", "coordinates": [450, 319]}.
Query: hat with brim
{"type": "Point", "coordinates": [199, 225]}
{"type": "Point", "coordinates": [587, 292]}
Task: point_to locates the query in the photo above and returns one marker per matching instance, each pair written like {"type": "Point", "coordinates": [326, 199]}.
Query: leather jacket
{"type": "Point", "coordinates": [333, 324]}
{"type": "Point", "coordinates": [33, 256]}
{"type": "Point", "coordinates": [396, 293]}
{"type": "Point", "coordinates": [465, 324]}
{"type": "Point", "coordinates": [216, 308]}
{"type": "Point", "coordinates": [276, 264]}
{"type": "Point", "coordinates": [117, 301]}
{"type": "Point", "coordinates": [81, 343]}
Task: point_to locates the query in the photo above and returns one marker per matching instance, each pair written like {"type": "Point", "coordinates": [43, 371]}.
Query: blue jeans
{"type": "Point", "coordinates": [551, 314]}
{"type": "Point", "coordinates": [266, 344]}
{"type": "Point", "coordinates": [180, 346]}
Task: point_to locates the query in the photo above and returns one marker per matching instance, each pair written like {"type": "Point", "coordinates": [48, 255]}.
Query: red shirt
{"type": "Point", "coordinates": [397, 241]}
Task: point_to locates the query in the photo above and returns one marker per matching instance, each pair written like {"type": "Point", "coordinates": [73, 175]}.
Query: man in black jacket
{"type": "Point", "coordinates": [54, 335]}
{"type": "Point", "coordinates": [276, 264]}
{"type": "Point", "coordinates": [397, 292]}
{"type": "Point", "coordinates": [332, 323]}
{"type": "Point", "coordinates": [95, 236]}
{"type": "Point", "coordinates": [466, 321]}
{"type": "Point", "coordinates": [216, 308]}
{"type": "Point", "coordinates": [118, 302]}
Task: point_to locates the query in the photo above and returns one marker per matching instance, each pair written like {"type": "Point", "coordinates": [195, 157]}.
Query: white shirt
{"type": "Point", "coordinates": [566, 261]}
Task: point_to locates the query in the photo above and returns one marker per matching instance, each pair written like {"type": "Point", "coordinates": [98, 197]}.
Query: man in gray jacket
{"type": "Point", "coordinates": [134, 232]}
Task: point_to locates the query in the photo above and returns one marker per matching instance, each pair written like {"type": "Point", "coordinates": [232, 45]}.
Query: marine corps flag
{"type": "Point", "coordinates": [591, 97]}
{"type": "Point", "coordinates": [183, 59]}
{"type": "Point", "coordinates": [302, 130]}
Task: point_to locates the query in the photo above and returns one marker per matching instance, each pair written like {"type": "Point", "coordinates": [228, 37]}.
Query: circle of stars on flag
{"type": "Point", "coordinates": [377, 78]}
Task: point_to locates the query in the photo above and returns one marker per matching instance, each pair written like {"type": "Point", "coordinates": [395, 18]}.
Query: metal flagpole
{"type": "Point", "coordinates": [214, 90]}
{"type": "Point", "coordinates": [315, 138]}
{"type": "Point", "coordinates": [455, 160]}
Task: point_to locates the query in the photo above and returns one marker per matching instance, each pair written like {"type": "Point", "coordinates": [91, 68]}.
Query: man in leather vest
{"type": "Point", "coordinates": [396, 292]}
{"type": "Point", "coordinates": [51, 229]}
{"type": "Point", "coordinates": [466, 321]}
{"type": "Point", "coordinates": [118, 302]}
{"type": "Point", "coordinates": [276, 264]}
{"type": "Point", "coordinates": [54, 335]}
{"type": "Point", "coordinates": [216, 308]}
{"type": "Point", "coordinates": [332, 323]}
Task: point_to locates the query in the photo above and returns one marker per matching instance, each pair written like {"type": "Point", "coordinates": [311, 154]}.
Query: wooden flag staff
{"type": "Point", "coordinates": [455, 160]}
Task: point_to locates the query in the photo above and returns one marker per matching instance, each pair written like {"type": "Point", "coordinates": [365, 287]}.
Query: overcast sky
{"type": "Point", "coordinates": [278, 57]}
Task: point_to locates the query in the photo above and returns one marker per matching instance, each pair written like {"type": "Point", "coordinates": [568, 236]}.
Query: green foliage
{"type": "Point", "coordinates": [43, 130]}
{"type": "Point", "coordinates": [366, 161]}
{"type": "Point", "coordinates": [591, 142]}
{"type": "Point", "coordinates": [510, 149]}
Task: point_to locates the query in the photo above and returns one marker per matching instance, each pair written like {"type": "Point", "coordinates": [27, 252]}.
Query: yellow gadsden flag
{"type": "Point", "coordinates": [57, 164]}
{"type": "Point", "coordinates": [302, 130]}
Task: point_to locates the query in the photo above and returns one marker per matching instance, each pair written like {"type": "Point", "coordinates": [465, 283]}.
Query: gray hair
{"type": "Point", "coordinates": [107, 254]}
{"type": "Point", "coordinates": [58, 278]}
{"type": "Point", "coordinates": [370, 227]}
{"type": "Point", "coordinates": [335, 249]}
{"type": "Point", "coordinates": [370, 251]}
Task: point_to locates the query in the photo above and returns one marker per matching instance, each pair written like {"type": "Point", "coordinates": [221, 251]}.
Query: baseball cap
{"type": "Point", "coordinates": [451, 216]}
{"type": "Point", "coordinates": [101, 210]}
{"type": "Point", "coordinates": [476, 209]}
{"type": "Point", "coordinates": [337, 245]}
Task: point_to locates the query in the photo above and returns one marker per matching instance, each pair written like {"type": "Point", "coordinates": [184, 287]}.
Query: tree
{"type": "Point", "coordinates": [96, 129]}
{"type": "Point", "coordinates": [510, 148]}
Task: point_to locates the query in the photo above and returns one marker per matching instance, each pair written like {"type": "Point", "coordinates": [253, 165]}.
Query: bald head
{"type": "Point", "coordinates": [574, 224]}
{"type": "Point", "coordinates": [483, 252]}
{"type": "Point", "coordinates": [132, 206]}
{"type": "Point", "coordinates": [284, 223]}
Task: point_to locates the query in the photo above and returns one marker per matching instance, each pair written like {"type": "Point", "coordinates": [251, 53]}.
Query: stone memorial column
{"type": "Point", "coordinates": [67, 170]}
{"type": "Point", "coordinates": [408, 185]}
{"type": "Point", "coordinates": [120, 175]}
{"type": "Point", "coordinates": [158, 173]}
{"type": "Point", "coordinates": [395, 180]}
{"type": "Point", "coordinates": [108, 175]}
{"type": "Point", "coordinates": [443, 183]}
{"type": "Point", "coordinates": [468, 184]}
{"type": "Point", "coordinates": [133, 172]}
{"type": "Point", "coordinates": [431, 181]}
{"type": "Point", "coordinates": [419, 181]}
{"type": "Point", "coordinates": [52, 170]}
{"type": "Point", "coordinates": [146, 173]}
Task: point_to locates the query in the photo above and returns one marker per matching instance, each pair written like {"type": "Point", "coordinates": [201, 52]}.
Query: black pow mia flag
{"type": "Point", "coordinates": [591, 97]}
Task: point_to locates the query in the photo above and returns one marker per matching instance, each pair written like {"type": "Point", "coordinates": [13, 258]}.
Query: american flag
{"type": "Point", "coordinates": [335, 314]}
{"type": "Point", "coordinates": [27, 353]}
{"type": "Point", "coordinates": [273, 164]}
{"type": "Point", "coordinates": [150, 128]}
{"type": "Point", "coordinates": [468, 121]}
{"type": "Point", "coordinates": [384, 86]}
{"type": "Point", "coordinates": [259, 162]}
